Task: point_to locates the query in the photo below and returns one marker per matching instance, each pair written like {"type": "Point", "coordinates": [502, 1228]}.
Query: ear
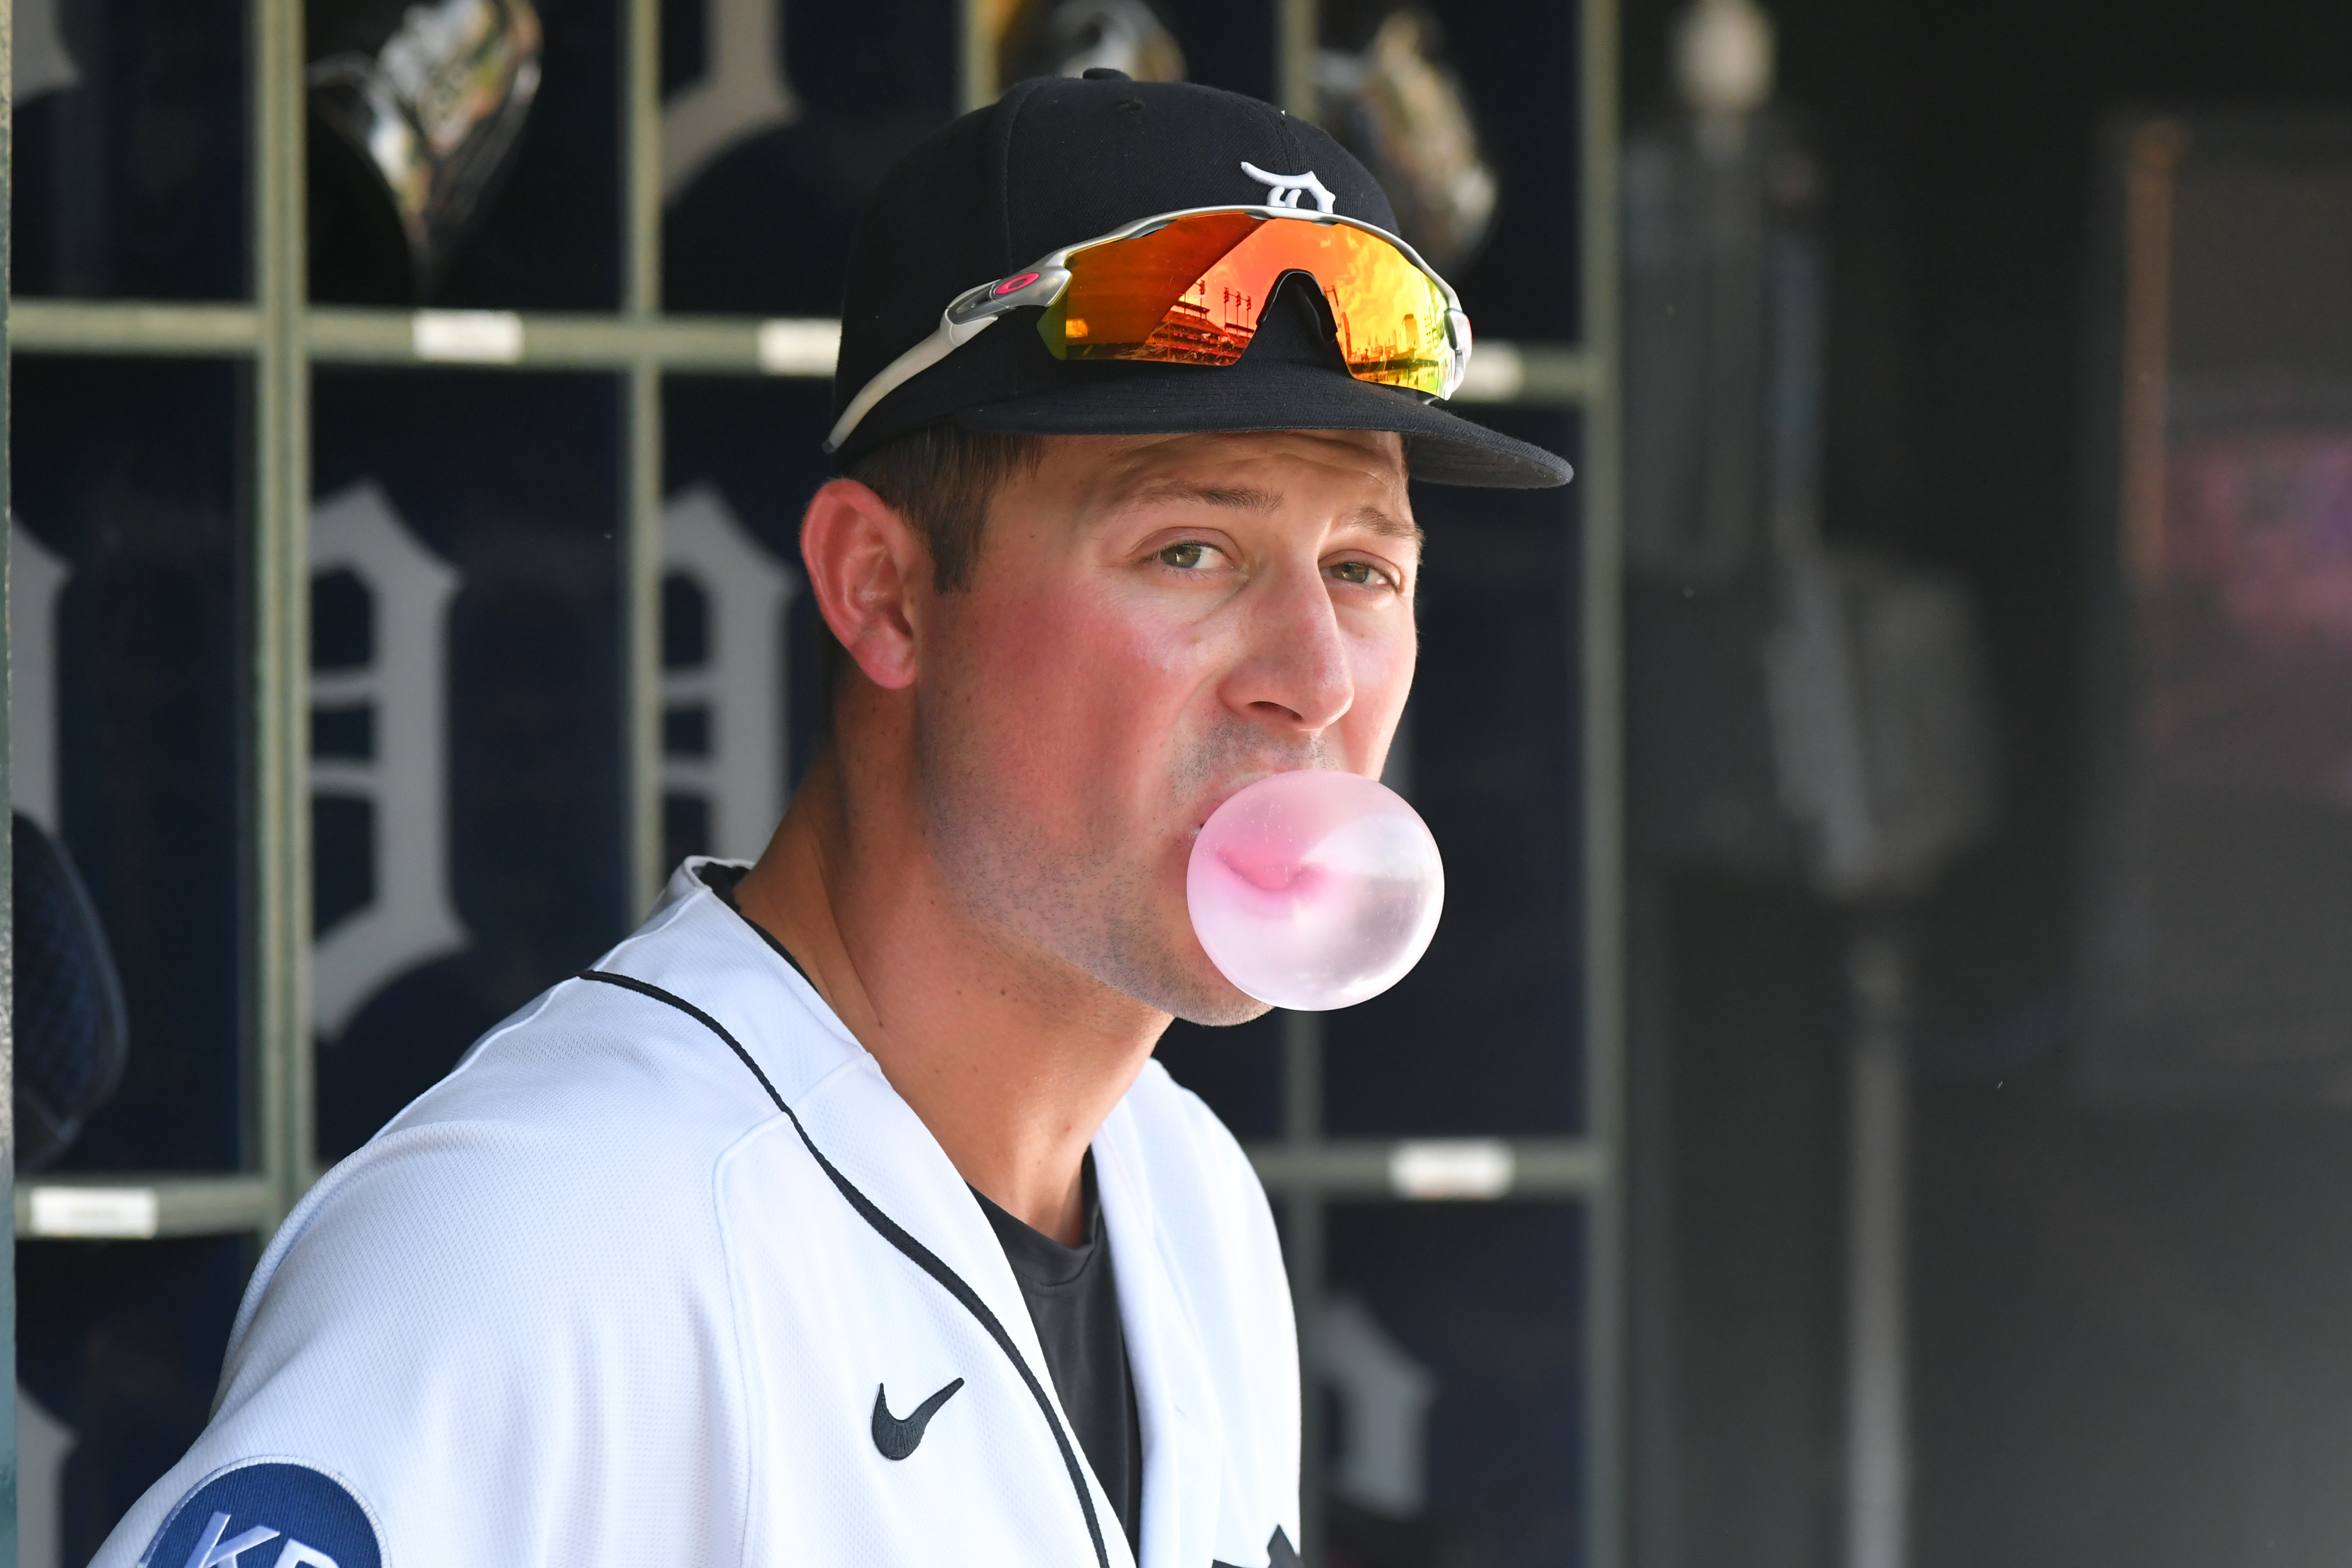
{"type": "Point", "coordinates": [869, 572]}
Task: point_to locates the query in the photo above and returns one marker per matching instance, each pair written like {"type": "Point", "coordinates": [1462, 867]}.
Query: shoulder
{"type": "Point", "coordinates": [480, 1303]}
{"type": "Point", "coordinates": [576, 1147]}
{"type": "Point", "coordinates": [694, 1003]}
{"type": "Point", "coordinates": [471, 1310]}
{"type": "Point", "coordinates": [633, 1077]}
{"type": "Point", "coordinates": [520, 1287]}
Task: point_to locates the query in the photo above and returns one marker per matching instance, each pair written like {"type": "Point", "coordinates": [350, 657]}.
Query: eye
{"type": "Point", "coordinates": [1361, 574]}
{"type": "Point", "coordinates": [1189, 556]}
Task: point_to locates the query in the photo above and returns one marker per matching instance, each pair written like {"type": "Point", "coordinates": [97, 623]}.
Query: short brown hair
{"type": "Point", "coordinates": [940, 479]}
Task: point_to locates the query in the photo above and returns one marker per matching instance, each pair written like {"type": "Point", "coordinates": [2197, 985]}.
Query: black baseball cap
{"type": "Point", "coordinates": [1058, 161]}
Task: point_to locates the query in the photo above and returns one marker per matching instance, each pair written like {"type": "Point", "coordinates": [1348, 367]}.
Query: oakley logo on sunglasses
{"type": "Point", "coordinates": [1285, 189]}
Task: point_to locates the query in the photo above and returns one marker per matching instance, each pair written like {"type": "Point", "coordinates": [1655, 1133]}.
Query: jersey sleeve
{"type": "Point", "coordinates": [497, 1344]}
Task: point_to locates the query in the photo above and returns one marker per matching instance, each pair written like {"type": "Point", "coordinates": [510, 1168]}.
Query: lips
{"type": "Point", "coordinates": [1272, 862]}
{"type": "Point", "coordinates": [1225, 792]}
{"type": "Point", "coordinates": [1233, 784]}
{"type": "Point", "coordinates": [1268, 865]}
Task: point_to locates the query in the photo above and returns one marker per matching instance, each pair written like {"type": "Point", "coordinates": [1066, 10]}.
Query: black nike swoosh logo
{"type": "Point", "coordinates": [898, 1438]}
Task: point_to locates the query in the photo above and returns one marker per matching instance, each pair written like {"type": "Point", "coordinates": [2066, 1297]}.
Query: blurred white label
{"type": "Point", "coordinates": [799, 347]}
{"type": "Point", "coordinates": [128, 1213]}
{"type": "Point", "coordinates": [470, 337]}
{"type": "Point", "coordinates": [1452, 1168]}
{"type": "Point", "coordinates": [1496, 375]}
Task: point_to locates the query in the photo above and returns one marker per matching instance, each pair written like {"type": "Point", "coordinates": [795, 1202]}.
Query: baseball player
{"type": "Point", "coordinates": [840, 1215]}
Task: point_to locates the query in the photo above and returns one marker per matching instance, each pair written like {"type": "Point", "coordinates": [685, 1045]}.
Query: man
{"type": "Point", "coordinates": [840, 1215]}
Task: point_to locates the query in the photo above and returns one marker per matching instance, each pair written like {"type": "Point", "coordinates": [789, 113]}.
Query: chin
{"type": "Point", "coordinates": [1140, 965]}
{"type": "Point", "coordinates": [1225, 1010]}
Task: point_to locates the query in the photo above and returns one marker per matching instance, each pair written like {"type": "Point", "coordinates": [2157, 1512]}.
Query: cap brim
{"type": "Point", "coordinates": [1439, 447]}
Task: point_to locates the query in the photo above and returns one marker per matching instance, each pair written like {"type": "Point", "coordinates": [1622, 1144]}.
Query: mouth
{"type": "Point", "coordinates": [1261, 763]}
{"type": "Point", "coordinates": [1225, 792]}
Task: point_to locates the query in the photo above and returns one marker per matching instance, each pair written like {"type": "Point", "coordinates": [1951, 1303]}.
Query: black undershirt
{"type": "Point", "coordinates": [1072, 1298]}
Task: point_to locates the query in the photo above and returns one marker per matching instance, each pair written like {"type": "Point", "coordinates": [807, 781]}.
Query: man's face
{"type": "Point", "coordinates": [1153, 623]}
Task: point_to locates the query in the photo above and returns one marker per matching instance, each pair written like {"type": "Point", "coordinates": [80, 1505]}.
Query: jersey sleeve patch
{"type": "Point", "coordinates": [270, 1513]}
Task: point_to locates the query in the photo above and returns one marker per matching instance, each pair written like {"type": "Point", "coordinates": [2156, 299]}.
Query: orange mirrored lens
{"type": "Point", "coordinates": [1191, 292]}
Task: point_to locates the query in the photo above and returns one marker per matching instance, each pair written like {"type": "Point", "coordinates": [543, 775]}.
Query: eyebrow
{"type": "Point", "coordinates": [1237, 498]}
{"type": "Point", "coordinates": [1245, 498]}
{"type": "Point", "coordinates": [1372, 520]}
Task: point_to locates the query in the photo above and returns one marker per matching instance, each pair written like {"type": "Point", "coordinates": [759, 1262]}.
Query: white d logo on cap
{"type": "Point", "coordinates": [1285, 189]}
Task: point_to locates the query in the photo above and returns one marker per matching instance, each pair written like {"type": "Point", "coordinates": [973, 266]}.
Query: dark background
{"type": "Point", "coordinates": [2128, 1338]}
{"type": "Point", "coordinates": [132, 473]}
{"type": "Point", "coordinates": [132, 184]}
{"type": "Point", "coordinates": [2127, 1326]}
{"type": "Point", "coordinates": [511, 478]}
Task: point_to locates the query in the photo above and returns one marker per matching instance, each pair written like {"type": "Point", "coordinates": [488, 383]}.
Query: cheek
{"type": "Point", "coordinates": [1383, 663]}
{"type": "Point", "coordinates": [1077, 700]}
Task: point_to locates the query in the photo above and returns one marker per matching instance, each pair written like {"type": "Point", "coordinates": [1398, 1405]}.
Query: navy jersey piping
{"type": "Point", "coordinates": [890, 1231]}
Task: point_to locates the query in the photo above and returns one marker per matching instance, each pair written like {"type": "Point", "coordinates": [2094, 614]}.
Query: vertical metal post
{"type": "Point", "coordinates": [1600, 657]}
{"type": "Point", "coordinates": [1877, 1423]}
{"type": "Point", "coordinates": [280, 616]}
{"type": "Point", "coordinates": [977, 25]}
{"type": "Point", "coordinates": [1302, 1110]}
{"type": "Point", "coordinates": [7, 849]}
{"type": "Point", "coordinates": [640, 563]}
{"type": "Point", "coordinates": [1298, 33]}
{"type": "Point", "coordinates": [1652, 1521]}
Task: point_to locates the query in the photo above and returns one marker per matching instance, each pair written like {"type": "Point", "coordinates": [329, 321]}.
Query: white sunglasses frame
{"type": "Point", "coordinates": [975, 310]}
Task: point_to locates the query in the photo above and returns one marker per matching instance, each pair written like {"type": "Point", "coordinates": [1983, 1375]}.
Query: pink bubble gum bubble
{"type": "Point", "coordinates": [1315, 889]}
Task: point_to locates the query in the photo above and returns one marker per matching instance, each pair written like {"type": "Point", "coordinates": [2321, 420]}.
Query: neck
{"type": "Point", "coordinates": [1011, 1057]}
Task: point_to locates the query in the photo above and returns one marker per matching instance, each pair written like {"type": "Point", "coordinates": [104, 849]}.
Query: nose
{"type": "Point", "coordinates": [1295, 674]}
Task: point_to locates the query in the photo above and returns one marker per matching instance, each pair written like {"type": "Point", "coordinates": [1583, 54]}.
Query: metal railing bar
{"type": "Point", "coordinates": [1332, 1170]}
{"type": "Point", "coordinates": [721, 343]}
{"type": "Point", "coordinates": [1534, 375]}
{"type": "Point", "coordinates": [134, 327]}
{"type": "Point", "coordinates": [111, 1206]}
{"type": "Point", "coordinates": [1537, 374]}
{"type": "Point", "coordinates": [1368, 1168]}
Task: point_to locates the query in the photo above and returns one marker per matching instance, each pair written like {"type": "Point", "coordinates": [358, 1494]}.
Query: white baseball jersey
{"type": "Point", "coordinates": [667, 1273]}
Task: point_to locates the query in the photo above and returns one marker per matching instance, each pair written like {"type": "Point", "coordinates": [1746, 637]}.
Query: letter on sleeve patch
{"type": "Point", "coordinates": [267, 1514]}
